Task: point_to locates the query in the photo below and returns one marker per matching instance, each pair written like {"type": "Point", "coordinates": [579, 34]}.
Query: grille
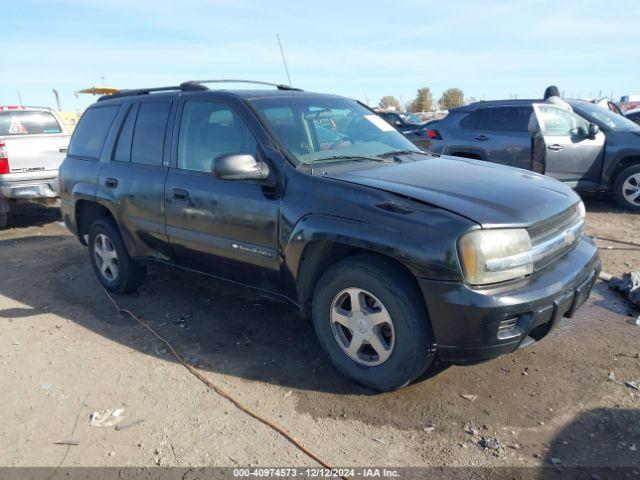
{"type": "Point", "coordinates": [551, 226]}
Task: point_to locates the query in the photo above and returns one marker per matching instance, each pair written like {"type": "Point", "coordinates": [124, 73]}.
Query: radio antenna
{"type": "Point", "coordinates": [284, 60]}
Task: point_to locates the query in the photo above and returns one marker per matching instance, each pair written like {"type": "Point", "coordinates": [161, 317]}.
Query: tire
{"type": "Point", "coordinates": [627, 182]}
{"type": "Point", "coordinates": [387, 292]}
{"type": "Point", "coordinates": [4, 219]}
{"type": "Point", "coordinates": [122, 276]}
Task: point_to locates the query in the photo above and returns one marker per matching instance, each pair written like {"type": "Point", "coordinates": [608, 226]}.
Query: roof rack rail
{"type": "Point", "coordinates": [191, 85]}
{"type": "Point", "coordinates": [145, 91]}
{"type": "Point", "coordinates": [279, 86]}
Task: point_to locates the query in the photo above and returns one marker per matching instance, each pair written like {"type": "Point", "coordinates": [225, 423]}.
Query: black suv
{"type": "Point", "coordinates": [397, 255]}
{"type": "Point", "coordinates": [589, 149]}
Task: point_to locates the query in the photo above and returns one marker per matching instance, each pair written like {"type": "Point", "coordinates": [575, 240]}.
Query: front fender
{"type": "Point", "coordinates": [435, 259]}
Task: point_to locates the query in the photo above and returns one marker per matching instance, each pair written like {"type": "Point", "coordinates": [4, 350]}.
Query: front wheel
{"type": "Point", "coordinates": [110, 260]}
{"type": "Point", "coordinates": [627, 188]}
{"type": "Point", "coordinates": [371, 320]}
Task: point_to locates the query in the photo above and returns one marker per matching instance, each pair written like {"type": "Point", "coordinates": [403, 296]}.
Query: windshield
{"type": "Point", "coordinates": [28, 123]}
{"type": "Point", "coordinates": [606, 117]}
{"type": "Point", "coordinates": [321, 129]}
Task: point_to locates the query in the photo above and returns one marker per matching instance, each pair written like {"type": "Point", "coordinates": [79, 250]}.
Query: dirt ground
{"type": "Point", "coordinates": [65, 353]}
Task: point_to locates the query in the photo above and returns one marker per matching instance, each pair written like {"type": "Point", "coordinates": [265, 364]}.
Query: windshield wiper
{"type": "Point", "coordinates": [393, 153]}
{"type": "Point", "coordinates": [348, 157]}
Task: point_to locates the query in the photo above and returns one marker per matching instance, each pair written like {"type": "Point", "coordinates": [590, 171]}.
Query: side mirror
{"type": "Point", "coordinates": [593, 130]}
{"type": "Point", "coordinates": [239, 166]}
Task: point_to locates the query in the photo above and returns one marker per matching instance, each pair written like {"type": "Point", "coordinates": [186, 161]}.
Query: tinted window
{"type": "Point", "coordinates": [509, 119]}
{"type": "Point", "coordinates": [471, 120]}
{"type": "Point", "coordinates": [123, 147]}
{"type": "Point", "coordinates": [90, 133]}
{"type": "Point", "coordinates": [148, 134]}
{"type": "Point", "coordinates": [26, 122]}
{"type": "Point", "coordinates": [208, 130]}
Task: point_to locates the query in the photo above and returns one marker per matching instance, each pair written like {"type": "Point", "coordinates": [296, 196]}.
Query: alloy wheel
{"type": "Point", "coordinates": [106, 257]}
{"type": "Point", "coordinates": [362, 327]}
{"type": "Point", "coordinates": [631, 189]}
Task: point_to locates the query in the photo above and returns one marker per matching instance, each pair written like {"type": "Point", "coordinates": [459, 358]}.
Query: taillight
{"type": "Point", "coordinates": [434, 134]}
{"type": "Point", "coordinates": [4, 159]}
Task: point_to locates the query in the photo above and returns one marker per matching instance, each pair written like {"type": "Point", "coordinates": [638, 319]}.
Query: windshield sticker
{"type": "Point", "coordinates": [380, 123]}
{"type": "Point", "coordinates": [16, 127]}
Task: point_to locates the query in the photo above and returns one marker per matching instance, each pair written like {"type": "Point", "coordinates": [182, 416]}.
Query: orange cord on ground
{"type": "Point", "coordinates": [221, 392]}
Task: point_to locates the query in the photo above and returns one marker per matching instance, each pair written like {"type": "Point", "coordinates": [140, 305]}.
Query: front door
{"type": "Point", "coordinates": [227, 228]}
{"type": "Point", "coordinates": [570, 153]}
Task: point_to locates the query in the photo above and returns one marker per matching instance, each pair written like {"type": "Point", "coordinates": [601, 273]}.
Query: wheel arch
{"type": "Point", "coordinates": [317, 243]}
{"type": "Point", "coordinates": [623, 162]}
{"type": "Point", "coordinates": [86, 212]}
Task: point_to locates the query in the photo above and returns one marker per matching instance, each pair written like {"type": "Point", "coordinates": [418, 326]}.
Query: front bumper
{"type": "Point", "coordinates": [466, 322]}
{"type": "Point", "coordinates": [29, 189]}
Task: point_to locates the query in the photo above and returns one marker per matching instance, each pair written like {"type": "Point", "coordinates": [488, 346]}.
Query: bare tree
{"type": "Point", "coordinates": [451, 98]}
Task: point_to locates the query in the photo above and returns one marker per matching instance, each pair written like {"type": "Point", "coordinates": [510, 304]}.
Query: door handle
{"type": "Point", "coordinates": [179, 194]}
{"type": "Point", "coordinates": [555, 147]}
{"type": "Point", "coordinates": [482, 138]}
{"type": "Point", "coordinates": [110, 183]}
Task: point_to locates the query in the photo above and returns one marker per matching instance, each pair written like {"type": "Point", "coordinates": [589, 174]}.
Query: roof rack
{"type": "Point", "coordinates": [279, 86]}
{"type": "Point", "coordinates": [191, 85]}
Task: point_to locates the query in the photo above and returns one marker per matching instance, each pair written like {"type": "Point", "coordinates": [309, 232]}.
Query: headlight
{"type": "Point", "coordinates": [581, 210]}
{"type": "Point", "coordinates": [490, 256]}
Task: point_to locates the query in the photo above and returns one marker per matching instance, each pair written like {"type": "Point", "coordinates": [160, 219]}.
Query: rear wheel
{"type": "Point", "coordinates": [110, 260]}
{"type": "Point", "coordinates": [627, 188]}
{"type": "Point", "coordinates": [371, 320]}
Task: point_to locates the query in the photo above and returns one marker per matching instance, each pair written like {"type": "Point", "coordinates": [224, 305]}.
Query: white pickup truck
{"type": "Point", "coordinates": [33, 144]}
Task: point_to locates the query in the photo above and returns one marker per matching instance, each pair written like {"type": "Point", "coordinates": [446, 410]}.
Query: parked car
{"type": "Point", "coordinates": [33, 142]}
{"type": "Point", "coordinates": [403, 121]}
{"type": "Point", "coordinates": [634, 115]}
{"type": "Point", "coordinates": [592, 149]}
{"type": "Point", "coordinates": [423, 135]}
{"type": "Point", "coordinates": [398, 256]}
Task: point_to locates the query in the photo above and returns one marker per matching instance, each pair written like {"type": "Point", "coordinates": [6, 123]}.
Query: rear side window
{"type": "Point", "coordinates": [90, 133]}
{"type": "Point", "coordinates": [507, 119]}
{"type": "Point", "coordinates": [28, 123]}
{"type": "Point", "coordinates": [123, 147]}
{"type": "Point", "coordinates": [471, 120]}
{"type": "Point", "coordinates": [148, 134]}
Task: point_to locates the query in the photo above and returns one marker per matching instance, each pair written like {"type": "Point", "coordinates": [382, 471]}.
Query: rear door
{"type": "Point", "coordinates": [132, 181]}
{"type": "Point", "coordinates": [227, 228]}
{"type": "Point", "coordinates": [502, 136]}
{"type": "Point", "coordinates": [570, 153]}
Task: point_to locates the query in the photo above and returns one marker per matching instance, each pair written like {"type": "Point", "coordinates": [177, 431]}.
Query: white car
{"type": "Point", "coordinates": [33, 143]}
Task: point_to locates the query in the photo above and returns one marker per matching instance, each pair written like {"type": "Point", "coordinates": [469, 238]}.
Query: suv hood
{"type": "Point", "coordinates": [489, 194]}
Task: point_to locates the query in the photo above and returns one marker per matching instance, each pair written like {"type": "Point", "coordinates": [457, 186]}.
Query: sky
{"type": "Point", "coordinates": [359, 49]}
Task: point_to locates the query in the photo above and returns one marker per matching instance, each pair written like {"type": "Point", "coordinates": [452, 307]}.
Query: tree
{"type": "Point", "coordinates": [389, 101]}
{"type": "Point", "coordinates": [423, 101]}
{"type": "Point", "coordinates": [453, 97]}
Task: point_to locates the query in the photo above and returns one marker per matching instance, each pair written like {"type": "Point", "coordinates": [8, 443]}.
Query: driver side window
{"type": "Point", "coordinates": [559, 122]}
{"type": "Point", "coordinates": [208, 130]}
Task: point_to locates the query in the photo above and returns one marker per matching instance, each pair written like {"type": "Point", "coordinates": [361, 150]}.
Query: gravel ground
{"type": "Point", "coordinates": [65, 353]}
